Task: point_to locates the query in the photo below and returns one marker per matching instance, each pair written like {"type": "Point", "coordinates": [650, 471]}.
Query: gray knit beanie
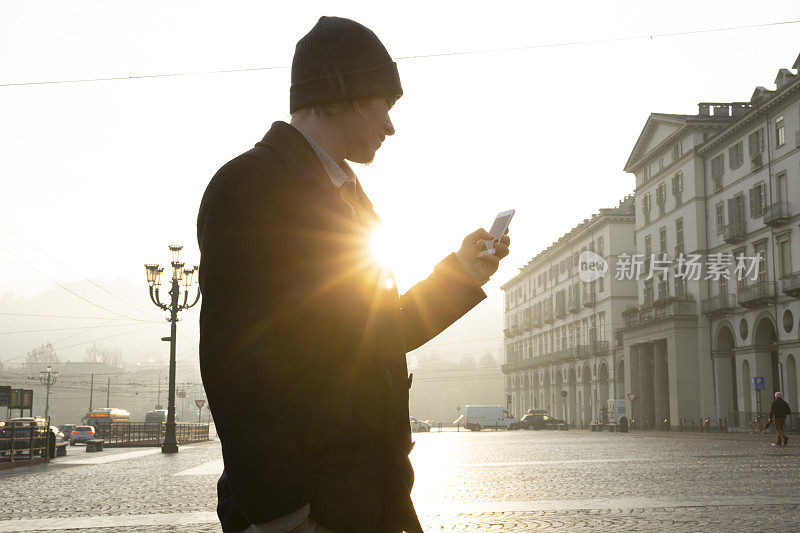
{"type": "Point", "coordinates": [340, 60]}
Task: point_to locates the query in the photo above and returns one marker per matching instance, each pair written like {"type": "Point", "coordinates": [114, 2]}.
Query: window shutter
{"type": "Point", "coordinates": [731, 211]}
{"type": "Point", "coordinates": [763, 193]}
{"type": "Point", "coordinates": [752, 194]}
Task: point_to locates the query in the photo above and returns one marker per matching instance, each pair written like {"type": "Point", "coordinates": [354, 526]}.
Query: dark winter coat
{"type": "Point", "coordinates": [303, 341]}
{"type": "Point", "coordinates": [779, 408]}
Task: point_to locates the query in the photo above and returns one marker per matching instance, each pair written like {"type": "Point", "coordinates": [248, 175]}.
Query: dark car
{"type": "Point", "coordinates": [540, 420]}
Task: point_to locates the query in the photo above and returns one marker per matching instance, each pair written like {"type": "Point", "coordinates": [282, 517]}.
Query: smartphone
{"type": "Point", "coordinates": [499, 228]}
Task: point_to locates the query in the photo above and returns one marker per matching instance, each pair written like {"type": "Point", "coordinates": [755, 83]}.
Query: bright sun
{"type": "Point", "coordinates": [385, 250]}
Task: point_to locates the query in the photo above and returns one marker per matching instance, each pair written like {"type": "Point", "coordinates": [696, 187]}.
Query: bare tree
{"type": "Point", "coordinates": [40, 357]}
{"type": "Point", "coordinates": [100, 354]}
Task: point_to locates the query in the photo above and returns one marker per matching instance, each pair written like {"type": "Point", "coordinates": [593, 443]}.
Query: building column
{"type": "Point", "coordinates": [632, 381]}
{"type": "Point", "coordinates": [646, 400]}
{"type": "Point", "coordinates": [660, 383]}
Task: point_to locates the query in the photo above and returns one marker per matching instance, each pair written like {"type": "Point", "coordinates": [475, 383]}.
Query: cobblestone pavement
{"type": "Point", "coordinates": [487, 481]}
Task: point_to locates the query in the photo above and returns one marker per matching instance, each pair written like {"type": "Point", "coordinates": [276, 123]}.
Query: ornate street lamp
{"type": "Point", "coordinates": [179, 273]}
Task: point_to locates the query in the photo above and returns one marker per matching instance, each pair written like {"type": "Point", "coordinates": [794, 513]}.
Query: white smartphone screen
{"type": "Point", "coordinates": [499, 227]}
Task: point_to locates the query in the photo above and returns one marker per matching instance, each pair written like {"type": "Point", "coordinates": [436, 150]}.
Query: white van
{"type": "Point", "coordinates": [477, 417]}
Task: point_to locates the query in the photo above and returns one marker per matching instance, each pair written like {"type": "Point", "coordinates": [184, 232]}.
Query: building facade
{"type": "Point", "coordinates": [720, 189]}
{"type": "Point", "coordinates": [560, 353]}
{"type": "Point", "coordinates": [703, 289]}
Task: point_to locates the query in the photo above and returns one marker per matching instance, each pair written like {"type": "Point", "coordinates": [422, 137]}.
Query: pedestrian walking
{"type": "Point", "coordinates": [303, 337]}
{"type": "Point", "coordinates": [778, 411]}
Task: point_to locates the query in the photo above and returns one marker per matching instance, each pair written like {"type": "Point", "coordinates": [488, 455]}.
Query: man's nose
{"type": "Point", "coordinates": [388, 127]}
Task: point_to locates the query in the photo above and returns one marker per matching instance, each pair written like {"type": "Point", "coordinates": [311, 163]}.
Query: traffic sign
{"type": "Point", "coordinates": [757, 383]}
{"type": "Point", "coordinates": [200, 403]}
{"type": "Point", "coordinates": [632, 397]}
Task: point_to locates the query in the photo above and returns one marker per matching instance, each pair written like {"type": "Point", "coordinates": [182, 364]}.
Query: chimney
{"type": "Point", "coordinates": [703, 109]}
{"type": "Point", "coordinates": [784, 77]}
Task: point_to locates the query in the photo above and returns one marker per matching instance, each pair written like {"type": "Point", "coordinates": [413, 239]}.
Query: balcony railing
{"type": "Point", "coordinates": [777, 214]}
{"type": "Point", "coordinates": [791, 285]}
{"type": "Point", "coordinates": [758, 294]}
{"type": "Point", "coordinates": [719, 305]}
{"type": "Point", "coordinates": [659, 310]}
{"type": "Point", "coordinates": [734, 232]}
{"type": "Point", "coordinates": [600, 347]}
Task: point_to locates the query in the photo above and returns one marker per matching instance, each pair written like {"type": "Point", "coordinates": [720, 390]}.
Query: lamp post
{"type": "Point", "coordinates": [179, 274]}
{"type": "Point", "coordinates": [48, 378]}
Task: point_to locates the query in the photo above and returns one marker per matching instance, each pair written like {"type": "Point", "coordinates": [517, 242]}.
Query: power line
{"type": "Point", "coordinates": [75, 327]}
{"type": "Point", "coordinates": [421, 56]}
{"type": "Point", "coordinates": [64, 287]}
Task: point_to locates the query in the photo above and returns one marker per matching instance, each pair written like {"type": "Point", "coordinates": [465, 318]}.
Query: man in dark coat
{"type": "Point", "coordinates": [778, 411]}
{"type": "Point", "coordinates": [302, 335]}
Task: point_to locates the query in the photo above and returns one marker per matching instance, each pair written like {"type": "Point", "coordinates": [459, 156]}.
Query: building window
{"type": "Point", "coordinates": [785, 258]}
{"type": "Point", "coordinates": [717, 170]}
{"type": "Point", "coordinates": [736, 155]}
{"type": "Point", "coordinates": [663, 287]}
{"type": "Point", "coordinates": [761, 251]}
{"type": "Point", "coordinates": [780, 136]}
{"type": "Point", "coordinates": [661, 197]}
{"type": "Point", "coordinates": [601, 317]}
{"type": "Point", "coordinates": [680, 285]}
{"type": "Point", "coordinates": [741, 281]}
{"type": "Point", "coordinates": [600, 245]}
{"type": "Point", "coordinates": [755, 142]}
{"type": "Point", "coordinates": [719, 210]}
{"type": "Point", "coordinates": [648, 291]}
{"type": "Point", "coordinates": [646, 173]}
{"type": "Point", "coordinates": [679, 249]}
{"type": "Point", "coordinates": [646, 208]}
{"type": "Point", "coordinates": [677, 151]}
{"type": "Point", "coordinates": [677, 187]}
{"type": "Point", "coordinates": [662, 239]}
{"type": "Point", "coordinates": [758, 200]}
{"type": "Point", "coordinates": [601, 284]}
{"type": "Point", "coordinates": [661, 163]}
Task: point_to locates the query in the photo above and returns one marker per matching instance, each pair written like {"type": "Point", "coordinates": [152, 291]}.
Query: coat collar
{"type": "Point", "coordinates": [304, 167]}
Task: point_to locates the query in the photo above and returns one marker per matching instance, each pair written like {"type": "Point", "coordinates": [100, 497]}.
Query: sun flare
{"type": "Point", "coordinates": [384, 249]}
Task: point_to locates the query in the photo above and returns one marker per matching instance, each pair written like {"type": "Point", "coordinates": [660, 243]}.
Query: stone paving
{"type": "Point", "coordinates": [487, 481]}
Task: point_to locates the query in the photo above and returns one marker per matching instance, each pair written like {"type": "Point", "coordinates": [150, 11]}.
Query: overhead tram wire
{"type": "Point", "coordinates": [36, 248]}
{"type": "Point", "coordinates": [65, 288]}
{"type": "Point", "coordinates": [420, 56]}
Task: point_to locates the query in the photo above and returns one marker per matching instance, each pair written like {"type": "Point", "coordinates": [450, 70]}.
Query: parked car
{"type": "Point", "coordinates": [540, 419]}
{"type": "Point", "coordinates": [477, 417]}
{"type": "Point", "coordinates": [25, 426]}
{"type": "Point", "coordinates": [419, 426]}
{"type": "Point", "coordinates": [81, 434]}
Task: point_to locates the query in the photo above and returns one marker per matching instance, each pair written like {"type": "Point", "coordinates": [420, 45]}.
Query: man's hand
{"type": "Point", "coordinates": [483, 265]}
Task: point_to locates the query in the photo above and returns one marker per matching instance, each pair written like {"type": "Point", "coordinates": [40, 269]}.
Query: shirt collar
{"type": "Point", "coordinates": [336, 173]}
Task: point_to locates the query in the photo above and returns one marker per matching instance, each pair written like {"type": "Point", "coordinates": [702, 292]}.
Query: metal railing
{"type": "Point", "coordinates": [23, 443]}
{"type": "Point", "coordinates": [722, 303]}
{"type": "Point", "coordinates": [791, 284]}
{"type": "Point", "coordinates": [734, 232]}
{"type": "Point", "coordinates": [747, 421]}
{"type": "Point", "coordinates": [657, 311]}
{"type": "Point", "coordinates": [777, 213]}
{"type": "Point", "coordinates": [756, 294]}
{"type": "Point", "coordinates": [149, 433]}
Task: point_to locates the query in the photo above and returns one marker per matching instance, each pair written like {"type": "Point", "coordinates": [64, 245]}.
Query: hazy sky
{"type": "Point", "coordinates": [98, 177]}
